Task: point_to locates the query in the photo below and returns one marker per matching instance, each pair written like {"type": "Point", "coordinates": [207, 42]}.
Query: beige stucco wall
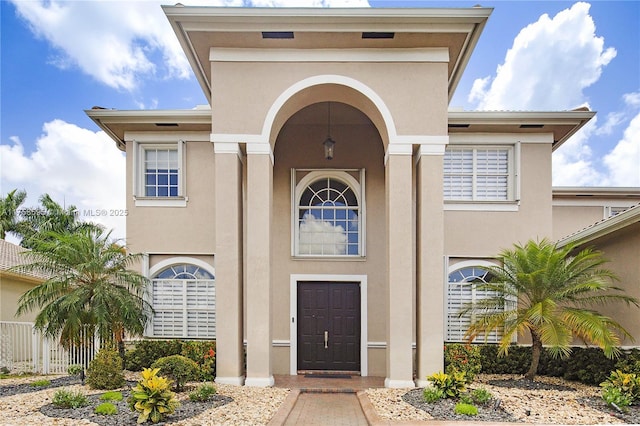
{"type": "Point", "coordinates": [474, 234]}
{"type": "Point", "coordinates": [622, 248]}
{"type": "Point", "coordinates": [416, 95]}
{"type": "Point", "coordinates": [187, 229]}
{"type": "Point", "coordinates": [11, 288]}
{"type": "Point", "coordinates": [569, 219]}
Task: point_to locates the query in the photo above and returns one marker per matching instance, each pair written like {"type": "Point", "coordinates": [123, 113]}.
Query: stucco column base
{"type": "Point", "coordinates": [237, 381]}
{"type": "Point", "coordinates": [398, 384]}
{"type": "Point", "coordinates": [260, 382]}
{"type": "Point", "coordinates": [422, 383]}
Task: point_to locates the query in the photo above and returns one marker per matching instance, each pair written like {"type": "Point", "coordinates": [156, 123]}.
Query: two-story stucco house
{"type": "Point", "coordinates": [326, 206]}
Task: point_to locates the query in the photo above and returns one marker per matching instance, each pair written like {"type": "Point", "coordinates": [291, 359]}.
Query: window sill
{"type": "Point", "coordinates": [160, 201]}
{"type": "Point", "coordinates": [330, 258]}
{"type": "Point", "coordinates": [485, 206]}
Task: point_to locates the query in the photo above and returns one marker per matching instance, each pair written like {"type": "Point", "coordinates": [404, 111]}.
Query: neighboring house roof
{"type": "Point", "coordinates": [604, 227]}
{"type": "Point", "coordinates": [11, 255]}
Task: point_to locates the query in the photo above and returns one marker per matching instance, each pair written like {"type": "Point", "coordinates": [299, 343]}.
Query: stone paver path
{"type": "Point", "coordinates": [331, 409]}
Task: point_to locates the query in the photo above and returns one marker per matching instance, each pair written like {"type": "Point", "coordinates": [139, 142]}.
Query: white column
{"type": "Point", "coordinates": [228, 261]}
{"type": "Point", "coordinates": [430, 276]}
{"type": "Point", "coordinates": [258, 268]}
{"type": "Point", "coordinates": [398, 191]}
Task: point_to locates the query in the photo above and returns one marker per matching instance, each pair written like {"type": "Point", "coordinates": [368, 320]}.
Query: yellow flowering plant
{"type": "Point", "coordinates": [152, 397]}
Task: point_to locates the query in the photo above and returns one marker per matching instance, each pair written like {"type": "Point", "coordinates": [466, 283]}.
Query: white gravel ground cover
{"type": "Point", "coordinates": [250, 406]}
{"type": "Point", "coordinates": [528, 406]}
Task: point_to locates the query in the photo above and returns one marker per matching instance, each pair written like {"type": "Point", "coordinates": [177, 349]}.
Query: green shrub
{"type": "Point", "coordinates": [179, 368]}
{"type": "Point", "coordinates": [466, 409]}
{"type": "Point", "coordinates": [452, 385]}
{"type": "Point", "coordinates": [465, 398]}
{"type": "Point", "coordinates": [432, 394]}
{"type": "Point", "coordinates": [152, 398]}
{"type": "Point", "coordinates": [614, 397]}
{"type": "Point", "coordinates": [75, 369]}
{"type": "Point", "coordinates": [106, 409]}
{"type": "Point", "coordinates": [481, 396]}
{"type": "Point", "coordinates": [146, 352]}
{"type": "Point", "coordinates": [516, 362]}
{"type": "Point", "coordinates": [586, 365]}
{"type": "Point", "coordinates": [105, 371]}
{"type": "Point", "coordinates": [630, 362]}
{"type": "Point", "coordinates": [203, 352]}
{"type": "Point", "coordinates": [203, 393]}
{"type": "Point", "coordinates": [626, 384]}
{"type": "Point", "coordinates": [64, 398]}
{"type": "Point", "coordinates": [459, 357]}
{"type": "Point", "coordinates": [40, 383]}
{"type": "Point", "coordinates": [111, 396]}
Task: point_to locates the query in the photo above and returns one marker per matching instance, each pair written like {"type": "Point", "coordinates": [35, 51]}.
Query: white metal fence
{"type": "Point", "coordinates": [25, 349]}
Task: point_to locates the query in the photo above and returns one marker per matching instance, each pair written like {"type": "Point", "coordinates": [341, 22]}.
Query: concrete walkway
{"type": "Point", "coordinates": [337, 402]}
{"type": "Point", "coordinates": [330, 409]}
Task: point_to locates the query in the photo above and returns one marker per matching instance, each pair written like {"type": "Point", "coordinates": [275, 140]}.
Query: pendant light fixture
{"type": "Point", "coordinates": [328, 143]}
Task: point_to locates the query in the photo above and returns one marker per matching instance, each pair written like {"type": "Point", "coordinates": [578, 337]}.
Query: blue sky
{"type": "Point", "coordinates": [59, 58]}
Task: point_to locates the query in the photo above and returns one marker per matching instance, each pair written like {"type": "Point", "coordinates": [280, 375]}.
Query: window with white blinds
{"type": "Point", "coordinates": [461, 292]}
{"type": "Point", "coordinates": [478, 174]}
{"type": "Point", "coordinates": [184, 301]}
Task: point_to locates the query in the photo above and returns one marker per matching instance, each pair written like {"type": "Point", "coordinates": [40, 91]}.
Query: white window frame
{"type": "Point", "coordinates": [184, 305]}
{"type": "Point", "coordinates": [473, 263]}
{"type": "Point", "coordinates": [512, 202]}
{"type": "Point", "coordinates": [141, 200]}
{"type": "Point", "coordinates": [298, 188]}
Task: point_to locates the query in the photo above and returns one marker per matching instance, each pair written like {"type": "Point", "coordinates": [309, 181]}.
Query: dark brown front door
{"type": "Point", "coordinates": [329, 326]}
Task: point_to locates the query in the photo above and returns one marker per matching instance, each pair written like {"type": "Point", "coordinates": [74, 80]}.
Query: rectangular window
{"type": "Point", "coordinates": [159, 174]}
{"type": "Point", "coordinates": [478, 174]}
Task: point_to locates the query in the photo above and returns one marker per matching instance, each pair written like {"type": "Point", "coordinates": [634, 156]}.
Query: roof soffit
{"type": "Point", "coordinates": [117, 122]}
{"type": "Point", "coordinates": [200, 28]}
{"type": "Point", "coordinates": [563, 124]}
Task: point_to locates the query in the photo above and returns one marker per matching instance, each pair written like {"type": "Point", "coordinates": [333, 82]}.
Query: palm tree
{"type": "Point", "coordinates": [90, 284]}
{"type": "Point", "coordinates": [50, 217]}
{"type": "Point", "coordinates": [9, 206]}
{"type": "Point", "coordinates": [549, 292]}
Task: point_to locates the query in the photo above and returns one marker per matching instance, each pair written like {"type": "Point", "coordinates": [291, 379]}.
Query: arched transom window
{"type": "Point", "coordinates": [328, 216]}
{"type": "Point", "coordinates": [460, 292]}
{"type": "Point", "coordinates": [184, 301]}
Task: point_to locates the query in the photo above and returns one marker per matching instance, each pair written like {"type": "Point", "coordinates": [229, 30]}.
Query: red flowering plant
{"type": "Point", "coordinates": [204, 354]}
{"type": "Point", "coordinates": [462, 357]}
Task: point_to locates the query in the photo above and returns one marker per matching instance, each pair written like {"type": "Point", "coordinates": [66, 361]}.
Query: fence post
{"type": "Point", "coordinates": [35, 349]}
{"type": "Point", "coordinates": [46, 355]}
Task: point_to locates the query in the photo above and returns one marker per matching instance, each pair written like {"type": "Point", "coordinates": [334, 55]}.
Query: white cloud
{"type": "Point", "coordinates": [623, 162]}
{"type": "Point", "coordinates": [321, 237]}
{"type": "Point", "coordinates": [548, 66]}
{"type": "Point", "coordinates": [114, 41]}
{"type": "Point", "coordinates": [74, 166]}
{"type": "Point", "coordinates": [573, 162]}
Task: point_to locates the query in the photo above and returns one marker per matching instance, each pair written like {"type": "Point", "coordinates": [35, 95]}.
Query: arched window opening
{"type": "Point", "coordinates": [184, 301]}
{"type": "Point", "coordinates": [460, 292]}
{"type": "Point", "coordinates": [328, 216]}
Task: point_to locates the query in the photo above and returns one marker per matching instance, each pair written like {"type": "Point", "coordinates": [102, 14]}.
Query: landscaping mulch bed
{"type": "Point", "coordinates": [19, 388]}
{"type": "Point", "coordinates": [444, 409]}
{"type": "Point", "coordinates": [545, 400]}
{"type": "Point", "coordinates": [529, 385]}
{"type": "Point", "coordinates": [127, 417]}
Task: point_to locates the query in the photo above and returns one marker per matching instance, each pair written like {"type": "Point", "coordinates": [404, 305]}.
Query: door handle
{"type": "Point", "coordinates": [326, 339]}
